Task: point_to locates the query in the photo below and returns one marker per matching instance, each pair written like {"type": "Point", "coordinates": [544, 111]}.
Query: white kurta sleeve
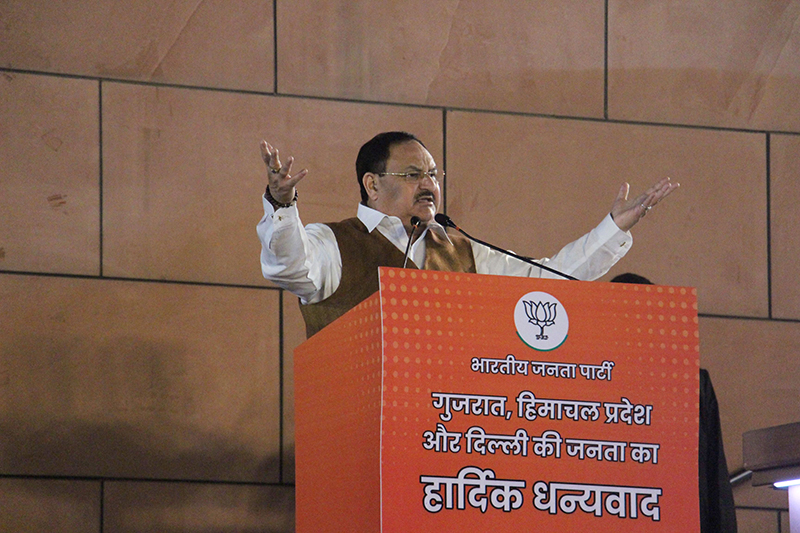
{"type": "Point", "coordinates": [303, 260]}
{"type": "Point", "coordinates": [587, 258]}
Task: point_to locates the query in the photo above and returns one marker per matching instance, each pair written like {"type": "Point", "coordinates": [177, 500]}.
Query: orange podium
{"type": "Point", "coordinates": [464, 402]}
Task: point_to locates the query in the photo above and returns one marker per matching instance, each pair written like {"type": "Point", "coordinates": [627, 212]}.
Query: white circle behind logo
{"type": "Point", "coordinates": [541, 320]}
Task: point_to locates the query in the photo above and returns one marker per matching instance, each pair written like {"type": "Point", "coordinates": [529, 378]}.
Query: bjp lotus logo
{"type": "Point", "coordinates": [539, 310]}
{"type": "Point", "coordinates": [541, 314]}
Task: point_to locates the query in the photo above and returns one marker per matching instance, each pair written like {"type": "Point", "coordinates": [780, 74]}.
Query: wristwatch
{"type": "Point", "coordinates": [275, 203]}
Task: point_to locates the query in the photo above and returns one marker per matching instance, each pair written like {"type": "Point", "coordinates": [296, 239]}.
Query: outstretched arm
{"type": "Point", "coordinates": [626, 213]}
{"type": "Point", "coordinates": [595, 253]}
{"type": "Point", "coordinates": [302, 260]}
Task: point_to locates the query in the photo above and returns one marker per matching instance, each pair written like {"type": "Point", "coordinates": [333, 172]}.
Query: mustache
{"type": "Point", "coordinates": [425, 195]}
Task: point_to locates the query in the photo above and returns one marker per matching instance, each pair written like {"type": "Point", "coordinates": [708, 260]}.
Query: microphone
{"type": "Point", "coordinates": [415, 221]}
{"type": "Point", "coordinates": [447, 222]}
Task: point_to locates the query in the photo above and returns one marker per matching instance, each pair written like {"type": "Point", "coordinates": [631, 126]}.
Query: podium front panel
{"type": "Point", "coordinates": [509, 404]}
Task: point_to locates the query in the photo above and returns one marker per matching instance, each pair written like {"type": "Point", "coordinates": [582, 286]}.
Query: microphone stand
{"type": "Point", "coordinates": [446, 221]}
{"type": "Point", "coordinates": [415, 221]}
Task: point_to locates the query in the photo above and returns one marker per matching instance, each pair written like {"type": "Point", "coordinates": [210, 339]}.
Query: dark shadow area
{"type": "Point", "coordinates": [121, 417]}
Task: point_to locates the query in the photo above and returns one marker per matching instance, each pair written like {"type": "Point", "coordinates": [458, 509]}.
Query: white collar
{"type": "Point", "coordinates": [372, 218]}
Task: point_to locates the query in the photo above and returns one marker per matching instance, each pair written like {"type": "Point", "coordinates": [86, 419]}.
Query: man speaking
{"type": "Point", "coordinates": [332, 267]}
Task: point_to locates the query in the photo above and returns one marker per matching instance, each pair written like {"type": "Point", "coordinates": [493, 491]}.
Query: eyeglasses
{"type": "Point", "coordinates": [416, 176]}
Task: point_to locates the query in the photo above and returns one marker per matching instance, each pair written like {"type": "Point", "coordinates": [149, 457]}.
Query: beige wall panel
{"type": "Point", "coordinates": [544, 56]}
{"type": "Point", "coordinates": [733, 64]}
{"type": "Point", "coordinates": [183, 174]}
{"type": "Point", "coordinates": [36, 505]}
{"type": "Point", "coordinates": [131, 379]}
{"type": "Point", "coordinates": [196, 508]}
{"type": "Point", "coordinates": [49, 177]}
{"type": "Point", "coordinates": [533, 185]}
{"type": "Point", "coordinates": [753, 366]}
{"type": "Point", "coordinates": [212, 43]}
{"type": "Point", "coordinates": [756, 521]}
{"type": "Point", "coordinates": [785, 225]}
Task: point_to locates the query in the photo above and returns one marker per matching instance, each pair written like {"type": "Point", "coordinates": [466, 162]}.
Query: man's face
{"type": "Point", "coordinates": [403, 197]}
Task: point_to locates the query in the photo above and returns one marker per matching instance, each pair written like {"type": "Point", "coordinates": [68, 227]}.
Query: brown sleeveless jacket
{"type": "Point", "coordinates": [363, 252]}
